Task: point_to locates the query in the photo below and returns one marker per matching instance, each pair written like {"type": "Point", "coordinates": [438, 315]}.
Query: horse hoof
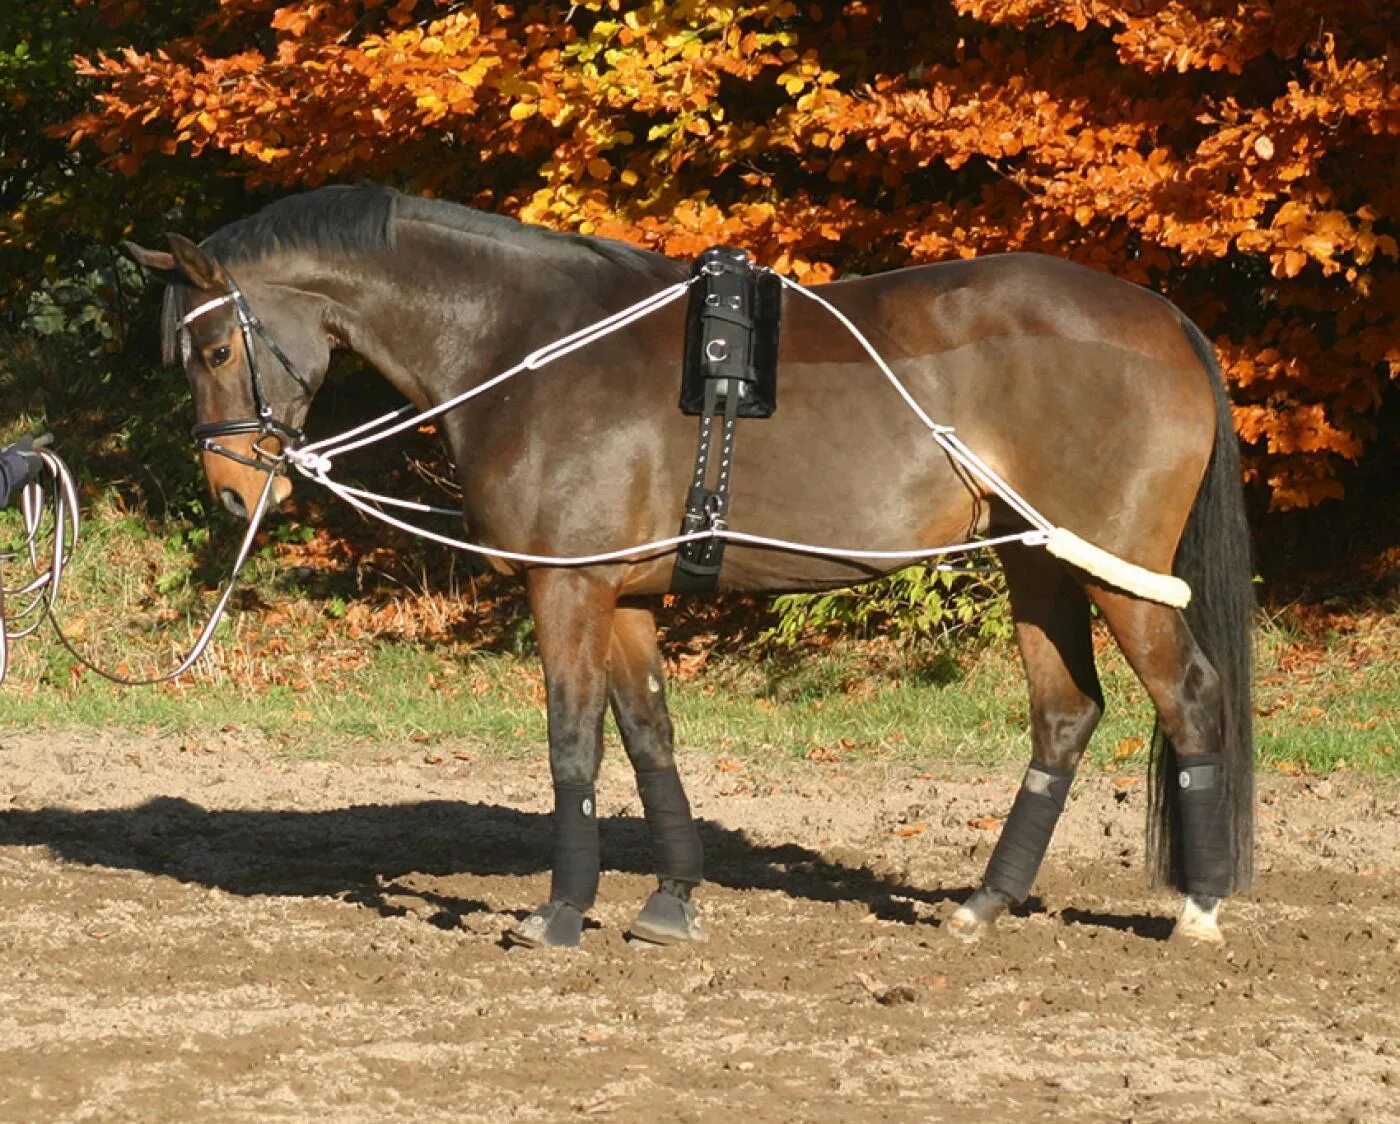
{"type": "Point", "coordinates": [975, 917]}
{"type": "Point", "coordinates": [1198, 925]}
{"type": "Point", "coordinates": [665, 919]}
{"type": "Point", "coordinates": [555, 925]}
{"type": "Point", "coordinates": [965, 925]}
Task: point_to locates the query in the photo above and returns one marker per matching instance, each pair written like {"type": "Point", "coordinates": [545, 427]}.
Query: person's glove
{"type": "Point", "coordinates": [27, 447]}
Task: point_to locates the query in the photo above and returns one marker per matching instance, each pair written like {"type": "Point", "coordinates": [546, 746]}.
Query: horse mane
{"type": "Point", "coordinates": [353, 219]}
{"type": "Point", "coordinates": [536, 239]}
{"type": "Point", "coordinates": [343, 218]}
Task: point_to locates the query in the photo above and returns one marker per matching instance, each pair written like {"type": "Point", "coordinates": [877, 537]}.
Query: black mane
{"type": "Point", "coordinates": [349, 220]}
{"type": "Point", "coordinates": [358, 219]}
{"type": "Point", "coordinates": [342, 218]}
{"type": "Point", "coordinates": [537, 239]}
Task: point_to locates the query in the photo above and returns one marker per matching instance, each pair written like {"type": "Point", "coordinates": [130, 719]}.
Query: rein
{"type": "Point", "coordinates": [43, 589]}
{"type": "Point", "coordinates": [315, 461]}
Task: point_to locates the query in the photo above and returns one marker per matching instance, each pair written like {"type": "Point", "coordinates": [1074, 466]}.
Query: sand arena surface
{"type": "Point", "coordinates": [206, 931]}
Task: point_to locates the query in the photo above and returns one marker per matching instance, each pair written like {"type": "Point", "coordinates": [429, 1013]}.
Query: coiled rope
{"type": "Point", "coordinates": [52, 512]}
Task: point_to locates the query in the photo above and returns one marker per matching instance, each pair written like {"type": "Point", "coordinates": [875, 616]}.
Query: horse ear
{"type": "Point", "coordinates": [156, 261]}
{"type": "Point", "coordinates": [198, 268]}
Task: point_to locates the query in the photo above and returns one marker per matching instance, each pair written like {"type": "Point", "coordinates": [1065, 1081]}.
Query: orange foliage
{"type": "Point", "coordinates": [1238, 155]}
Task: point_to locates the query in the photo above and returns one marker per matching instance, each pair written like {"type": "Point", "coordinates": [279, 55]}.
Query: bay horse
{"type": "Point", "coordinates": [1097, 400]}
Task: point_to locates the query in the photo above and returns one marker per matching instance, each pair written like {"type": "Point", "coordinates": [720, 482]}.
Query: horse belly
{"type": "Point", "coordinates": [843, 465]}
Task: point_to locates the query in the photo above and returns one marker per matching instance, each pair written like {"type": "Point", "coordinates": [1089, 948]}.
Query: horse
{"type": "Point", "coordinates": [1095, 399]}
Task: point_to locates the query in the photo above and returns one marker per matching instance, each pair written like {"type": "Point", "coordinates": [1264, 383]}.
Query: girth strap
{"type": "Point", "coordinates": [698, 562]}
{"type": "Point", "coordinates": [730, 371]}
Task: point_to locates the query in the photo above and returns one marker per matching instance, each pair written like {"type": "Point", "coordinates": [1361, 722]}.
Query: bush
{"type": "Point", "coordinates": [914, 605]}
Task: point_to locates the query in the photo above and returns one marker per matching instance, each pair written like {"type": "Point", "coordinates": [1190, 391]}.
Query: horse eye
{"type": "Point", "coordinates": [219, 356]}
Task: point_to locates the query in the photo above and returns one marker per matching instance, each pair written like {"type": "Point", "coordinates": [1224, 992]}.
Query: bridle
{"type": "Point", "coordinates": [265, 425]}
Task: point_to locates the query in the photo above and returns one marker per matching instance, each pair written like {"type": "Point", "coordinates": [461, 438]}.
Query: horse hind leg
{"type": "Point", "coordinates": [637, 692]}
{"type": "Point", "coordinates": [1200, 795]}
{"type": "Point", "coordinates": [1051, 616]}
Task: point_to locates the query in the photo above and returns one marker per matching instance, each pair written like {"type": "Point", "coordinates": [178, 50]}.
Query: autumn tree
{"type": "Point", "coordinates": [61, 213]}
{"type": "Point", "coordinates": [1237, 155]}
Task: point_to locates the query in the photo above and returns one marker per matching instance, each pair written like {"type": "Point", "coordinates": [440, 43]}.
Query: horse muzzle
{"type": "Point", "coordinates": [236, 466]}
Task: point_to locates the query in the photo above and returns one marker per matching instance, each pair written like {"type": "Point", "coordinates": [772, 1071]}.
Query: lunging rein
{"type": "Point", "coordinates": [42, 590]}
{"type": "Point", "coordinates": [315, 461]}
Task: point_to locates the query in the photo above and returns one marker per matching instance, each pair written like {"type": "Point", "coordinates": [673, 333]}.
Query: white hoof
{"type": "Point", "coordinates": [965, 925]}
{"type": "Point", "coordinates": [1197, 924]}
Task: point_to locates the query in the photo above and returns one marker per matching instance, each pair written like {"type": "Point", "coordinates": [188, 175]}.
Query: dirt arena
{"type": "Point", "coordinates": [206, 931]}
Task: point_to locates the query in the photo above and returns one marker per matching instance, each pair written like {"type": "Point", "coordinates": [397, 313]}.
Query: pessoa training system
{"type": "Point", "coordinates": [315, 460]}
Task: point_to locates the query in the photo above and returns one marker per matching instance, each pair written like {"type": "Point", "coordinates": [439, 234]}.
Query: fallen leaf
{"type": "Point", "coordinates": [1127, 747]}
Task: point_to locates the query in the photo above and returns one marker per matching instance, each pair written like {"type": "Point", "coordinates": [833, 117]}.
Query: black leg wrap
{"type": "Point", "coordinates": [1206, 861]}
{"type": "Point", "coordinates": [1027, 832]}
{"type": "Point", "coordinates": [674, 839]}
{"type": "Point", "coordinates": [575, 846]}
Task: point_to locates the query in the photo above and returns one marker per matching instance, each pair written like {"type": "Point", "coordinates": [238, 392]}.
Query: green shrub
{"type": "Point", "coordinates": [915, 605]}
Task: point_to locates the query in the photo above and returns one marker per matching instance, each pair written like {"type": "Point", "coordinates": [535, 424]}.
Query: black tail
{"type": "Point", "coordinates": [1214, 559]}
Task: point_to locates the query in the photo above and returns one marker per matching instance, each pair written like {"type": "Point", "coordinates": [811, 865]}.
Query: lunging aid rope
{"type": "Point", "coordinates": [53, 511]}
{"type": "Point", "coordinates": [37, 596]}
{"type": "Point", "coordinates": [316, 461]}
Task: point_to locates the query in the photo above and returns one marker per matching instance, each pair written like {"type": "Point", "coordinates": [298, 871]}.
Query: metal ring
{"type": "Point", "coordinates": [717, 350]}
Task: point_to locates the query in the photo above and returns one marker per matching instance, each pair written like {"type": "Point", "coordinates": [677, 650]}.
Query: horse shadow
{"type": "Point", "coordinates": [357, 854]}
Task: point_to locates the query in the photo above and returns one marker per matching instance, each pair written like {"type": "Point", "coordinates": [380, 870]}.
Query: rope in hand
{"type": "Point", "coordinates": [53, 511]}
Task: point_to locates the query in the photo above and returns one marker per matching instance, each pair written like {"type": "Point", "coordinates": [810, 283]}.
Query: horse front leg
{"type": "Point", "coordinates": [573, 615]}
{"type": "Point", "coordinates": [1051, 615]}
{"type": "Point", "coordinates": [637, 691]}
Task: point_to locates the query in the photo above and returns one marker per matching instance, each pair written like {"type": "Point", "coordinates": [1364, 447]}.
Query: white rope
{"type": "Point", "coordinates": [334, 446]}
{"type": "Point", "coordinates": [315, 460]}
{"type": "Point", "coordinates": [43, 589]}
{"type": "Point", "coordinates": [365, 501]}
{"type": "Point", "coordinates": [945, 435]}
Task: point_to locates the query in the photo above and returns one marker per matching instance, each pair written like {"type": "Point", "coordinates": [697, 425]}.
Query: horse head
{"type": "Point", "coordinates": [254, 353]}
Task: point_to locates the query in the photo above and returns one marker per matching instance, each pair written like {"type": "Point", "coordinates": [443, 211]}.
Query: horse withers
{"type": "Point", "coordinates": [1094, 399]}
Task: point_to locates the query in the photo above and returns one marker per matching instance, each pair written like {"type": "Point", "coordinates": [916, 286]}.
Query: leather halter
{"type": "Point", "coordinates": [206, 434]}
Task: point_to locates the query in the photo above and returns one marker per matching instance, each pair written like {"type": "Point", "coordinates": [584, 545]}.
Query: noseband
{"type": "Point", "coordinates": [206, 434]}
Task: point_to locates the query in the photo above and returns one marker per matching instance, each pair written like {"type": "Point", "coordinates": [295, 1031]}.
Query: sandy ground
{"type": "Point", "coordinates": [201, 931]}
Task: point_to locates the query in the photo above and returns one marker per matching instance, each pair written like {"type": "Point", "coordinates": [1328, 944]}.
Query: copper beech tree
{"type": "Point", "coordinates": [1237, 155]}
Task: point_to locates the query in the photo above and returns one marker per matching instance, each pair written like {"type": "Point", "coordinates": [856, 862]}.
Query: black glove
{"type": "Point", "coordinates": [27, 447]}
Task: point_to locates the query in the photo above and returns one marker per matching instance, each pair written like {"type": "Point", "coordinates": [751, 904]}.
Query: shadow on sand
{"type": "Point", "coordinates": [356, 853]}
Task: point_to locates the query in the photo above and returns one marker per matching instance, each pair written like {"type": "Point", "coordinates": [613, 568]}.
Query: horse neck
{"type": "Point", "coordinates": [445, 310]}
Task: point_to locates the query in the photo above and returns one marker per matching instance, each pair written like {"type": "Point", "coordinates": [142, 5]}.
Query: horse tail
{"type": "Point", "coordinates": [1214, 559]}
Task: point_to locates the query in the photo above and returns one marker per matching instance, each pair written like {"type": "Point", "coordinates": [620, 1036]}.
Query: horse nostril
{"type": "Point", "coordinates": [233, 503]}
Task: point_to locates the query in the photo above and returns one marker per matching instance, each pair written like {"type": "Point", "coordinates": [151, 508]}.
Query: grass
{"type": "Point", "coordinates": [318, 653]}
